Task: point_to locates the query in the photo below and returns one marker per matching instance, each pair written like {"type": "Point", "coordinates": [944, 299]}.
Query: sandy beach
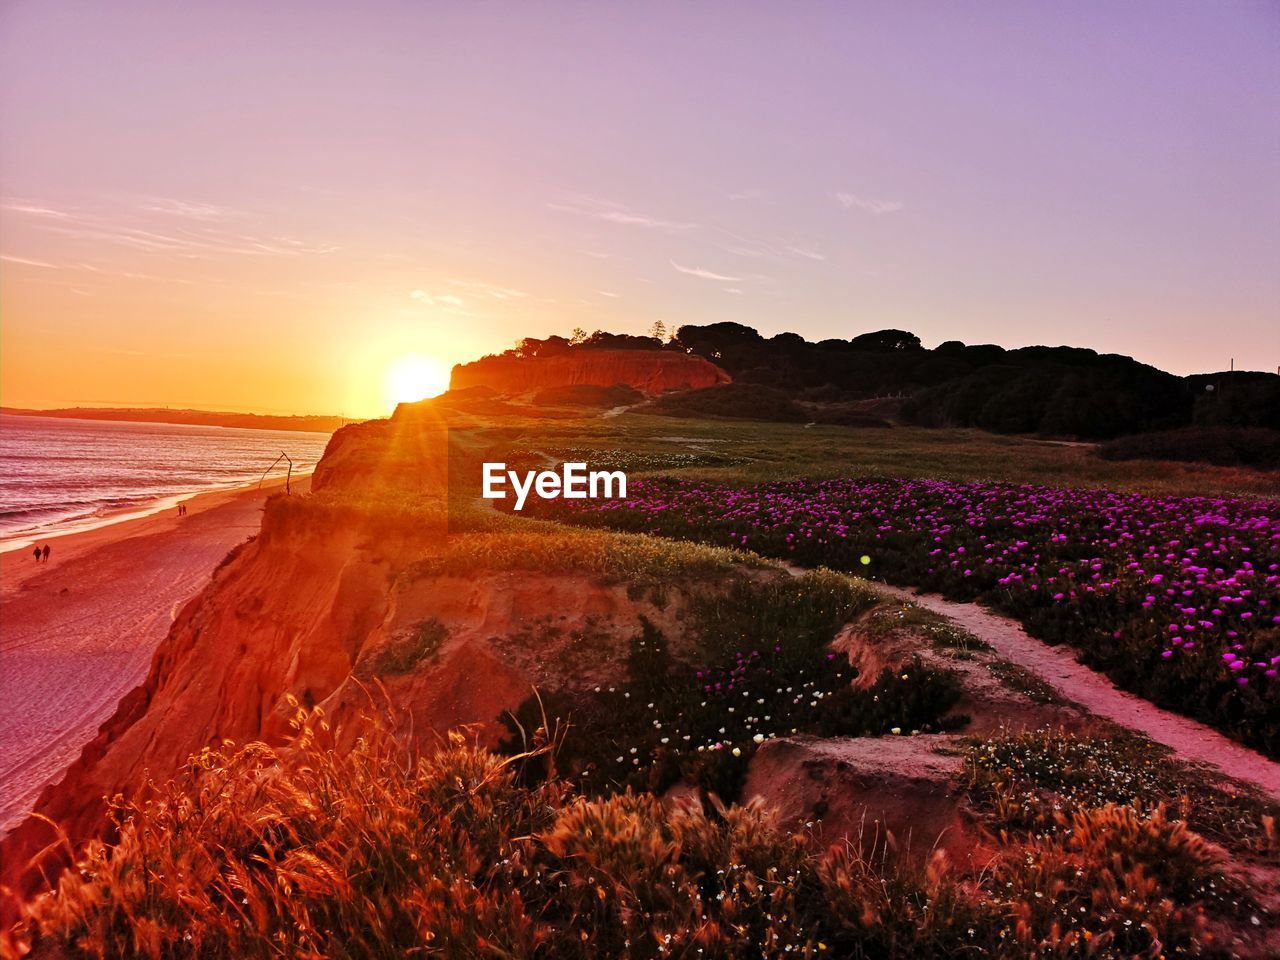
{"type": "Point", "coordinates": [79, 632]}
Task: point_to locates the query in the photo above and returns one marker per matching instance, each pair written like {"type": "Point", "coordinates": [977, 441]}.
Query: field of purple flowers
{"type": "Point", "coordinates": [1176, 598]}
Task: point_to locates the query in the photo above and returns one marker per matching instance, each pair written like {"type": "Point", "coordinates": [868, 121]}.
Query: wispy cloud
{"type": "Point", "coordinates": [757, 248]}
{"type": "Point", "coordinates": [194, 210]}
{"type": "Point", "coordinates": [851, 201]}
{"type": "Point", "coordinates": [611, 211]}
{"type": "Point", "coordinates": [733, 290]}
{"type": "Point", "coordinates": [807, 254]}
{"type": "Point", "coordinates": [203, 237]}
{"type": "Point", "coordinates": [34, 210]}
{"type": "Point", "coordinates": [29, 263]}
{"type": "Point", "coordinates": [704, 274]}
{"type": "Point", "coordinates": [492, 290]}
{"type": "Point", "coordinates": [608, 293]}
{"type": "Point", "coordinates": [447, 300]}
{"type": "Point", "coordinates": [741, 251]}
{"type": "Point", "coordinates": [152, 276]}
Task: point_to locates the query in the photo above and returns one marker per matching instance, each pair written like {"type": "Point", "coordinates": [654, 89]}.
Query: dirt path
{"type": "Point", "coordinates": [1057, 666]}
{"type": "Point", "coordinates": [78, 634]}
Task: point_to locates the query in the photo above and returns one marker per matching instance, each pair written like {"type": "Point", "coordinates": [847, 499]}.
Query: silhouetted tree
{"type": "Point", "coordinates": [885, 341]}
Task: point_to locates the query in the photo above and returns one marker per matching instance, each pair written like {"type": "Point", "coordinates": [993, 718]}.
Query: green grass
{"type": "Point", "coordinates": [1013, 677]}
{"type": "Point", "coordinates": [752, 451]}
{"type": "Point", "coordinates": [890, 618]}
{"type": "Point", "coordinates": [555, 549]}
{"type": "Point", "coordinates": [403, 653]}
{"type": "Point", "coordinates": [1025, 779]}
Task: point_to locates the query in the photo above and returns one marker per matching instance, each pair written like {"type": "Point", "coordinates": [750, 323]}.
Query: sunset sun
{"type": "Point", "coordinates": [415, 377]}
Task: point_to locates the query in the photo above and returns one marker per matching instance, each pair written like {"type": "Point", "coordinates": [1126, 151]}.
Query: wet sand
{"type": "Point", "coordinates": [79, 632]}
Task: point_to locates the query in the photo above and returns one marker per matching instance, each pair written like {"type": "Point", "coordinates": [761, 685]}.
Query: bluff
{"type": "Point", "coordinates": [356, 600]}
{"type": "Point", "coordinates": [650, 371]}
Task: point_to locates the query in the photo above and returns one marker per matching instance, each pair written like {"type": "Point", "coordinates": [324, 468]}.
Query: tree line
{"type": "Point", "coordinates": [1057, 391]}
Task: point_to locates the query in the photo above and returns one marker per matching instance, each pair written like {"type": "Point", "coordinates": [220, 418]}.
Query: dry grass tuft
{"type": "Point", "coordinates": [375, 852]}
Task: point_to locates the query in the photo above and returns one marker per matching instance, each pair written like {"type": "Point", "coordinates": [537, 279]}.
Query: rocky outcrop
{"type": "Point", "coordinates": [896, 794]}
{"type": "Point", "coordinates": [649, 371]}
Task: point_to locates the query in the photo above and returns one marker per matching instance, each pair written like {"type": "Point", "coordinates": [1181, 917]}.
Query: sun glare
{"type": "Point", "coordinates": [415, 378]}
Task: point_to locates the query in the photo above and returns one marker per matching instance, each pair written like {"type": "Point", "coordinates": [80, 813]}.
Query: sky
{"type": "Point", "coordinates": [266, 207]}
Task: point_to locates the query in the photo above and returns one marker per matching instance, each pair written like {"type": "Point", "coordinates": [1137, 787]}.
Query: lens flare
{"type": "Point", "coordinates": [415, 377]}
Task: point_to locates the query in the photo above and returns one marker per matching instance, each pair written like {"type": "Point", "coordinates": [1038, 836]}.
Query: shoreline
{"type": "Point", "coordinates": [85, 527]}
{"type": "Point", "coordinates": [78, 633]}
{"type": "Point", "coordinates": [17, 570]}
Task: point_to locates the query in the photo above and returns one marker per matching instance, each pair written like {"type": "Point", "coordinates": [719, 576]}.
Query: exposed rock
{"type": "Point", "coordinates": [894, 792]}
{"type": "Point", "coordinates": [649, 371]}
{"type": "Point", "coordinates": [870, 653]}
{"type": "Point", "coordinates": [990, 696]}
{"type": "Point", "coordinates": [305, 610]}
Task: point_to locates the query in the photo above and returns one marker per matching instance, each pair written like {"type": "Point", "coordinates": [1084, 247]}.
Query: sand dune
{"type": "Point", "coordinates": [79, 633]}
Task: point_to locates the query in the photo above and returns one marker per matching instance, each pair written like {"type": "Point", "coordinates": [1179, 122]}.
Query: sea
{"type": "Point", "coordinates": [60, 476]}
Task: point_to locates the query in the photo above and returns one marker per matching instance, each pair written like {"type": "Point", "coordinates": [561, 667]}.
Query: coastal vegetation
{"type": "Point", "coordinates": [628, 669]}
{"type": "Point", "coordinates": [760, 667]}
{"type": "Point", "coordinates": [1176, 599]}
{"type": "Point", "coordinates": [379, 852]}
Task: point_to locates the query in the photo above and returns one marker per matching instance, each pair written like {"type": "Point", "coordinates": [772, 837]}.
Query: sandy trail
{"type": "Point", "coordinates": [79, 633]}
{"type": "Point", "coordinates": [1057, 666]}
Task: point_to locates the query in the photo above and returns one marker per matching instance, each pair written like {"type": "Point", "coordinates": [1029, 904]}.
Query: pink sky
{"type": "Point", "coordinates": [262, 206]}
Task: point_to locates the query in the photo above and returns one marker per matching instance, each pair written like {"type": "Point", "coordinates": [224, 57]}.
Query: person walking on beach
{"type": "Point", "coordinates": [36, 553]}
{"type": "Point", "coordinates": [46, 552]}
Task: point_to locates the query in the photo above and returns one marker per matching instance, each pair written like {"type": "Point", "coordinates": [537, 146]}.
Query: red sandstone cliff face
{"type": "Point", "coordinates": [309, 610]}
{"type": "Point", "coordinates": [407, 453]}
{"type": "Point", "coordinates": [650, 371]}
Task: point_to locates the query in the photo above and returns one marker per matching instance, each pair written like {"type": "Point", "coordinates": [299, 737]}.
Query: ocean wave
{"type": "Point", "coordinates": [54, 479]}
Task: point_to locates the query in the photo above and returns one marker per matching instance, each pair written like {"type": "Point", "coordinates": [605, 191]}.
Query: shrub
{"type": "Point", "coordinates": [1113, 883]}
{"type": "Point", "coordinates": [402, 653]}
{"type": "Point", "coordinates": [1222, 446]}
{"type": "Point", "coordinates": [377, 853]}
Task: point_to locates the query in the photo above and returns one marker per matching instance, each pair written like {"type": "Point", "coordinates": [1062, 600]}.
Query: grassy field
{"type": "Point", "coordinates": [740, 451]}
